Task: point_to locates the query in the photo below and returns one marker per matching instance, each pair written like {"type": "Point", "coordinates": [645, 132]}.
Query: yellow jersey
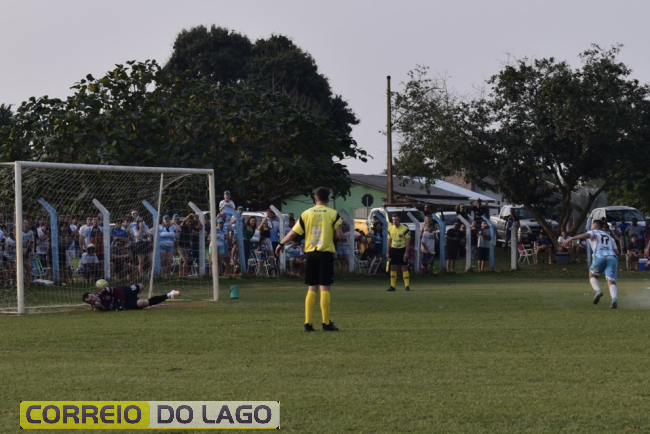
{"type": "Point", "coordinates": [397, 236]}
{"type": "Point", "coordinates": [318, 225]}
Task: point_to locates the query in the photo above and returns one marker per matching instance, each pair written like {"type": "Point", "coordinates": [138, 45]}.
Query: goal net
{"type": "Point", "coordinates": [64, 226]}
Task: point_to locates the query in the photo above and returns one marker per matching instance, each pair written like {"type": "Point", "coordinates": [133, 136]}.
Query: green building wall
{"type": "Point", "coordinates": [298, 204]}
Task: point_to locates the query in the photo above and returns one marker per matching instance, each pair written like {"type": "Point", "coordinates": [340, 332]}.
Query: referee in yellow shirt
{"type": "Point", "coordinates": [321, 226]}
{"type": "Point", "coordinates": [399, 239]}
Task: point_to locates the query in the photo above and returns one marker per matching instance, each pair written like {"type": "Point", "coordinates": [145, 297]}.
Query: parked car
{"type": "Point", "coordinates": [613, 215]}
{"type": "Point", "coordinates": [361, 225]}
{"type": "Point", "coordinates": [449, 217]}
{"type": "Point", "coordinates": [388, 211]}
{"type": "Point", "coordinates": [529, 228]}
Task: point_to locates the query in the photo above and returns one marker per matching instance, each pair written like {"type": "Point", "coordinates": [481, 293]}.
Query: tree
{"type": "Point", "coordinates": [218, 55]}
{"type": "Point", "coordinates": [258, 144]}
{"type": "Point", "coordinates": [6, 115]}
{"type": "Point", "coordinates": [633, 193]}
{"type": "Point", "coordinates": [225, 57]}
{"type": "Point", "coordinates": [543, 129]}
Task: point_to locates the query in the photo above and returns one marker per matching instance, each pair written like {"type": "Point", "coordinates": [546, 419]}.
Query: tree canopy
{"type": "Point", "coordinates": [260, 146]}
{"type": "Point", "coordinates": [541, 129]}
{"type": "Point", "coordinates": [225, 57]}
{"type": "Point", "coordinates": [6, 115]}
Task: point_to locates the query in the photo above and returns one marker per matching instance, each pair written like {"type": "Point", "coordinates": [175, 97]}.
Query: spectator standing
{"type": "Point", "coordinates": [29, 246]}
{"type": "Point", "coordinates": [428, 248]}
{"type": "Point", "coordinates": [274, 227]}
{"type": "Point", "coordinates": [223, 250]}
{"type": "Point", "coordinates": [343, 249]}
{"type": "Point", "coordinates": [74, 227]}
{"type": "Point", "coordinates": [195, 236]}
{"type": "Point", "coordinates": [512, 219]}
{"type": "Point", "coordinates": [265, 236]}
{"type": "Point", "coordinates": [479, 209]}
{"type": "Point", "coordinates": [227, 207]}
{"type": "Point", "coordinates": [141, 243]}
{"type": "Point", "coordinates": [166, 240]}
{"type": "Point", "coordinates": [96, 237]}
{"type": "Point", "coordinates": [461, 210]}
{"type": "Point", "coordinates": [66, 239]}
{"type": "Point", "coordinates": [134, 215]}
{"type": "Point", "coordinates": [83, 234]}
{"type": "Point", "coordinates": [634, 253]}
{"type": "Point", "coordinates": [625, 239]}
{"type": "Point", "coordinates": [250, 225]}
{"type": "Point", "coordinates": [43, 244]}
{"type": "Point", "coordinates": [475, 227]}
{"type": "Point", "coordinates": [543, 245]}
{"type": "Point", "coordinates": [483, 244]}
{"type": "Point", "coordinates": [462, 248]}
{"type": "Point", "coordinates": [452, 245]}
{"type": "Point", "coordinates": [9, 254]}
{"type": "Point", "coordinates": [185, 244]}
{"type": "Point", "coordinates": [376, 236]}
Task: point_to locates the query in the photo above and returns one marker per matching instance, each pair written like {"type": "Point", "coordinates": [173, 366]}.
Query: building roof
{"type": "Point", "coordinates": [472, 195]}
{"type": "Point", "coordinates": [412, 188]}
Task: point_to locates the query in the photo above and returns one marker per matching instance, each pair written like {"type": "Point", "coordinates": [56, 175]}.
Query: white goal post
{"type": "Point", "coordinates": [51, 270]}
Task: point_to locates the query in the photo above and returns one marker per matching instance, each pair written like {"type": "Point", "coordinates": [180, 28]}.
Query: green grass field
{"type": "Point", "coordinates": [501, 352]}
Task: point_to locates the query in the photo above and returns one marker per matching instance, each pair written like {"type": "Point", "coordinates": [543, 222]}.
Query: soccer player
{"type": "Point", "coordinates": [321, 226]}
{"type": "Point", "coordinates": [122, 297]}
{"type": "Point", "coordinates": [399, 239]}
{"type": "Point", "coordinates": [605, 258]}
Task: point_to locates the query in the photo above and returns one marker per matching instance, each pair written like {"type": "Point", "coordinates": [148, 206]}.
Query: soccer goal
{"type": "Point", "coordinates": [66, 225]}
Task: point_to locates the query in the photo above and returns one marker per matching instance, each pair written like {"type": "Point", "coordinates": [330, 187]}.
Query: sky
{"type": "Point", "coordinates": [47, 46]}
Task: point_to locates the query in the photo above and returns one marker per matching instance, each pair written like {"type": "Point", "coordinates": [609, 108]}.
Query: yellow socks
{"type": "Point", "coordinates": [325, 306]}
{"type": "Point", "coordinates": [310, 302]}
{"type": "Point", "coordinates": [393, 278]}
{"type": "Point", "coordinates": [407, 278]}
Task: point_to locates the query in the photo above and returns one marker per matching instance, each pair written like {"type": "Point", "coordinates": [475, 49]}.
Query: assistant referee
{"type": "Point", "coordinates": [399, 239]}
{"type": "Point", "coordinates": [321, 226]}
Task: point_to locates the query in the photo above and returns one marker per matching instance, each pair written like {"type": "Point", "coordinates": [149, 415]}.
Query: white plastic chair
{"type": "Point", "coordinates": [525, 254]}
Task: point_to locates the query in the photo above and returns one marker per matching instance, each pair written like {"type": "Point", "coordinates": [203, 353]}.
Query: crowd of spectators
{"type": "Point", "coordinates": [81, 251]}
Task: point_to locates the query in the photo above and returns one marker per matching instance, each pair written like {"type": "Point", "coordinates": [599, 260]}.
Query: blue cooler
{"type": "Point", "coordinates": [642, 265]}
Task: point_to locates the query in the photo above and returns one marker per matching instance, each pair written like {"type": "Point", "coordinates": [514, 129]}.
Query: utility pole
{"type": "Point", "coordinates": [389, 145]}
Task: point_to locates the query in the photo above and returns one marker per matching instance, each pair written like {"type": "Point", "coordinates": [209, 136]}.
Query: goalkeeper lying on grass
{"type": "Point", "coordinates": [121, 297]}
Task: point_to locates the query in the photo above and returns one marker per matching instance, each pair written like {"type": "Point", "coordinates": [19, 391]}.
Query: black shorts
{"type": "Point", "coordinates": [397, 256]}
{"type": "Point", "coordinates": [319, 268]}
{"type": "Point", "coordinates": [451, 252]}
{"type": "Point", "coordinates": [130, 296]}
{"type": "Point", "coordinates": [483, 253]}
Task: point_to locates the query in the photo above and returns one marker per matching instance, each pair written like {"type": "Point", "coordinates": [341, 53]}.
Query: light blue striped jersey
{"type": "Point", "coordinates": [602, 244]}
